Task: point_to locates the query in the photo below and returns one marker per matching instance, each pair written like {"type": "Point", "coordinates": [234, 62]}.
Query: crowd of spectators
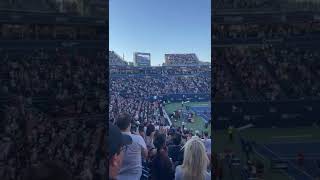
{"type": "Point", "coordinates": [130, 93]}
{"type": "Point", "coordinates": [168, 152]}
{"type": "Point", "coordinates": [116, 60]}
{"type": "Point", "coordinates": [272, 57]}
{"type": "Point", "coordinates": [181, 59]}
{"type": "Point", "coordinates": [146, 87]}
{"type": "Point", "coordinates": [269, 69]}
{"type": "Point", "coordinates": [269, 72]}
{"type": "Point", "coordinates": [48, 32]}
{"type": "Point", "coordinates": [160, 70]}
{"type": "Point", "coordinates": [129, 87]}
{"type": "Point", "coordinates": [54, 76]}
{"type": "Point", "coordinates": [42, 6]}
{"type": "Point", "coordinates": [97, 8]}
{"type": "Point", "coordinates": [74, 141]}
{"type": "Point", "coordinates": [265, 31]}
{"type": "Point", "coordinates": [142, 110]}
{"type": "Point", "coordinates": [245, 4]}
{"type": "Point", "coordinates": [53, 103]}
{"type": "Point", "coordinates": [137, 82]}
{"type": "Point", "coordinates": [296, 69]}
{"type": "Point", "coordinates": [254, 76]}
{"type": "Point", "coordinates": [159, 152]}
{"type": "Point", "coordinates": [224, 87]}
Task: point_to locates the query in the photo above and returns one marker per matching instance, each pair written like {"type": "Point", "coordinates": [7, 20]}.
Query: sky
{"type": "Point", "coordinates": [160, 27]}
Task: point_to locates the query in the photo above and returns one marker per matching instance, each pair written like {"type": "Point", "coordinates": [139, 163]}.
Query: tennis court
{"type": "Point", "coordinates": [274, 143]}
{"type": "Point", "coordinates": [284, 145]}
{"type": "Point", "coordinates": [289, 151]}
{"type": "Point", "coordinates": [202, 111]}
{"type": "Point", "coordinates": [200, 119]}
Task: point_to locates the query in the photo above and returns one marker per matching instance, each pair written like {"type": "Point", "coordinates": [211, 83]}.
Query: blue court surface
{"type": "Point", "coordinates": [202, 111]}
{"type": "Point", "coordinates": [289, 152]}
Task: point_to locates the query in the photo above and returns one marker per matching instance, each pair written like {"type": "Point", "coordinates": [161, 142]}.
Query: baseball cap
{"type": "Point", "coordinates": [116, 140]}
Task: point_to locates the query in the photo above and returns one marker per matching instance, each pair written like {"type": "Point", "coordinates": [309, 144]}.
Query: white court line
{"type": "Point", "coordinates": [288, 162]}
{"type": "Point", "coordinates": [283, 171]}
{"type": "Point", "coordinates": [262, 157]}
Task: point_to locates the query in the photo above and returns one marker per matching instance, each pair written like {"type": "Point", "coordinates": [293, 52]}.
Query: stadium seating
{"type": "Point", "coordinates": [181, 59]}
{"type": "Point", "coordinates": [141, 92]}
{"type": "Point", "coordinates": [29, 79]}
{"type": "Point", "coordinates": [266, 62]}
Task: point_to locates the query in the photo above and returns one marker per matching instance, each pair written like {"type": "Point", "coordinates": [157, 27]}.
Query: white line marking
{"type": "Point", "coordinates": [264, 158]}
{"type": "Point", "coordinates": [288, 162]}
{"type": "Point", "coordinates": [261, 156]}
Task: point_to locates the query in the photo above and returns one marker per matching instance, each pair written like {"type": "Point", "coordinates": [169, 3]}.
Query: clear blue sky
{"type": "Point", "coordinates": [159, 27]}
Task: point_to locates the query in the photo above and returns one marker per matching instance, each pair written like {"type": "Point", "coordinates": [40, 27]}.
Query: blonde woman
{"type": "Point", "coordinates": [195, 162]}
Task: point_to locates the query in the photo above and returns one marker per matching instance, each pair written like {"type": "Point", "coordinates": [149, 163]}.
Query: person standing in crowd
{"type": "Point", "coordinates": [132, 162]}
{"type": "Point", "coordinates": [207, 143]}
{"type": "Point", "coordinates": [161, 165]}
{"type": "Point", "coordinates": [150, 136]}
{"type": "Point", "coordinates": [175, 150]}
{"type": "Point", "coordinates": [195, 162]}
{"type": "Point", "coordinates": [141, 131]}
{"type": "Point", "coordinates": [189, 135]}
{"type": "Point", "coordinates": [117, 143]}
{"type": "Point", "coordinates": [171, 133]}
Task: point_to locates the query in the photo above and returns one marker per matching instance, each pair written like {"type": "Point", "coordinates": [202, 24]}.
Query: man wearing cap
{"type": "Point", "coordinates": [117, 143]}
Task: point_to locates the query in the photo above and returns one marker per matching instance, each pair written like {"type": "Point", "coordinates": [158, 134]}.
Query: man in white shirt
{"type": "Point", "coordinates": [132, 162]}
{"type": "Point", "coordinates": [207, 143]}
